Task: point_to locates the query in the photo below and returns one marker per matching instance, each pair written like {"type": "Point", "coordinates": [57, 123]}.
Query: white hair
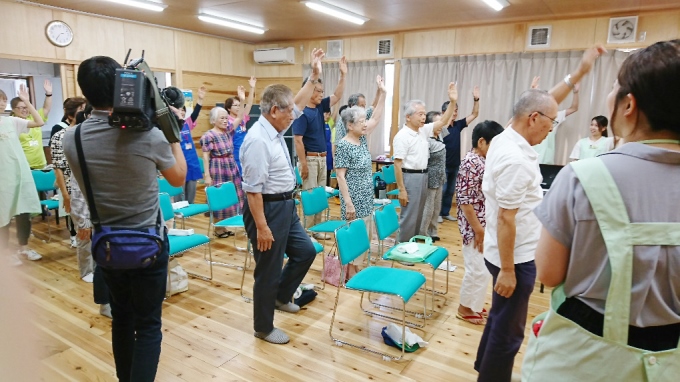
{"type": "Point", "coordinates": [411, 105]}
{"type": "Point", "coordinates": [530, 101]}
{"type": "Point", "coordinates": [214, 113]}
{"type": "Point", "coordinates": [352, 114]}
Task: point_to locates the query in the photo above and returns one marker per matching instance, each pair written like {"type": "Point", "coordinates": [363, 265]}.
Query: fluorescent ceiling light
{"type": "Point", "coordinates": [144, 4]}
{"type": "Point", "coordinates": [231, 23]}
{"type": "Point", "coordinates": [497, 5]}
{"type": "Point", "coordinates": [334, 11]}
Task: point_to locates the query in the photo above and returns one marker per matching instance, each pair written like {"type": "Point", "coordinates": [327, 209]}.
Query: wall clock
{"type": "Point", "coordinates": [622, 30]}
{"type": "Point", "coordinates": [59, 33]}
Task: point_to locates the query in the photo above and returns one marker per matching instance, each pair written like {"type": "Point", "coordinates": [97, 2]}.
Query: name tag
{"type": "Point", "coordinates": [33, 143]}
{"type": "Point", "coordinates": [187, 146]}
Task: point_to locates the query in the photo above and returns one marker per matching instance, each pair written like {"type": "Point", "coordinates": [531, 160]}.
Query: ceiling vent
{"type": "Point", "coordinates": [385, 47]}
{"type": "Point", "coordinates": [274, 56]}
{"type": "Point", "coordinates": [539, 36]}
{"type": "Point", "coordinates": [622, 30]}
{"type": "Point", "coordinates": [334, 49]}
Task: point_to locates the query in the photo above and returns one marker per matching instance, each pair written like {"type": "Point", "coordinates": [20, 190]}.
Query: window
{"type": "Point", "coordinates": [389, 85]}
{"type": "Point", "coordinates": [10, 85]}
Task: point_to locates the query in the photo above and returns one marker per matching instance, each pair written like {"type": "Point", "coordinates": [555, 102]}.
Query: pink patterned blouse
{"type": "Point", "coordinates": [469, 191]}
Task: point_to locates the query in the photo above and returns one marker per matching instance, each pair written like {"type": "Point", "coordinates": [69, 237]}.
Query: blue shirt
{"type": "Point", "coordinates": [329, 150]}
{"type": "Point", "coordinates": [311, 126]}
{"type": "Point", "coordinates": [265, 160]}
{"type": "Point", "coordinates": [452, 142]}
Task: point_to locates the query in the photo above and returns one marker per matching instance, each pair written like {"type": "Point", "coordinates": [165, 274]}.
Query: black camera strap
{"type": "Point", "coordinates": [94, 217]}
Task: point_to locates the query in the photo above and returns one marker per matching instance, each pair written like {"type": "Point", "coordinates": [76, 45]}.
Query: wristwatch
{"type": "Point", "coordinates": [475, 99]}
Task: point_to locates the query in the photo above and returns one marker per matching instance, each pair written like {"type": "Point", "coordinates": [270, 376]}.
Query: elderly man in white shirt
{"type": "Point", "coordinates": [269, 214]}
{"type": "Point", "coordinates": [512, 188]}
{"type": "Point", "coordinates": [411, 152]}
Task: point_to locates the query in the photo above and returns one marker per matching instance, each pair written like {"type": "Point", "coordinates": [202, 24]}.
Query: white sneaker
{"type": "Point", "coordinates": [105, 310]}
{"type": "Point", "coordinates": [440, 219]}
{"type": "Point", "coordinates": [451, 218]}
{"type": "Point", "coordinates": [30, 254]}
{"type": "Point", "coordinates": [73, 242]}
{"type": "Point", "coordinates": [88, 277]}
{"type": "Point", "coordinates": [321, 236]}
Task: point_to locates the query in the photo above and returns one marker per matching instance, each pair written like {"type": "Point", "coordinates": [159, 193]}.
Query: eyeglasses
{"type": "Point", "coordinates": [21, 107]}
{"type": "Point", "coordinates": [554, 122]}
{"type": "Point", "coordinates": [319, 91]}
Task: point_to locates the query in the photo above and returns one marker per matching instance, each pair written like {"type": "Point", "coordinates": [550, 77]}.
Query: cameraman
{"type": "Point", "coordinates": [122, 165]}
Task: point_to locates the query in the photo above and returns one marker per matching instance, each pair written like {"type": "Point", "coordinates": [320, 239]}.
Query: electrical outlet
{"type": "Point", "coordinates": [643, 36]}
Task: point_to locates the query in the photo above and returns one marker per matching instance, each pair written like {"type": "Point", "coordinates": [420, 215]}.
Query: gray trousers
{"type": "Point", "coordinates": [428, 226]}
{"type": "Point", "coordinates": [412, 214]}
{"type": "Point", "coordinates": [273, 283]}
{"type": "Point", "coordinates": [83, 252]}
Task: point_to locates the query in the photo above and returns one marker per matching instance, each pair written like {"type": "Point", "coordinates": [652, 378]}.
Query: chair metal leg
{"type": "Point", "coordinates": [210, 264]}
{"type": "Point", "coordinates": [243, 275]}
{"type": "Point", "coordinates": [375, 314]}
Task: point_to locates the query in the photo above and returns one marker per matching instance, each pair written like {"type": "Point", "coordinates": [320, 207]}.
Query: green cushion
{"type": "Point", "coordinates": [192, 210]}
{"type": "Point", "coordinates": [317, 247]}
{"type": "Point", "coordinates": [234, 221]}
{"type": "Point", "coordinates": [50, 204]}
{"type": "Point", "coordinates": [437, 257]}
{"type": "Point", "coordinates": [401, 282]}
{"type": "Point", "coordinates": [328, 226]}
{"type": "Point", "coordinates": [179, 244]}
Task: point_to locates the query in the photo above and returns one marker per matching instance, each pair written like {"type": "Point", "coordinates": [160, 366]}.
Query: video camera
{"type": "Point", "coordinates": [138, 103]}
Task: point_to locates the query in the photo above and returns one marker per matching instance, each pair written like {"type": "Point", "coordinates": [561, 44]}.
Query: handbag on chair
{"type": "Point", "coordinates": [332, 270]}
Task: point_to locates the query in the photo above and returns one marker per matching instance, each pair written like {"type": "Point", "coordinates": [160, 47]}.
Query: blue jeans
{"type": "Point", "coordinates": [448, 191]}
{"type": "Point", "coordinates": [136, 301]}
{"type": "Point", "coordinates": [504, 330]}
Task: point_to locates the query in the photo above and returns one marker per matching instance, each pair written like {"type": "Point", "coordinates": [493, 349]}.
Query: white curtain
{"type": "Point", "coordinates": [502, 78]}
{"type": "Point", "coordinates": [360, 79]}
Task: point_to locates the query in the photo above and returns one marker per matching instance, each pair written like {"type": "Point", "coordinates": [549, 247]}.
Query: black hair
{"type": "Point", "coordinates": [429, 117]}
{"type": "Point", "coordinates": [96, 78]}
{"type": "Point", "coordinates": [602, 123]}
{"type": "Point", "coordinates": [487, 130]}
{"type": "Point", "coordinates": [445, 106]}
{"type": "Point", "coordinates": [342, 108]}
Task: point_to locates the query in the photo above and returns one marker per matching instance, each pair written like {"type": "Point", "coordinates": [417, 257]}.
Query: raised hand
{"type": "Point", "coordinates": [202, 91]}
{"type": "Point", "coordinates": [534, 82]}
{"type": "Point", "coordinates": [241, 92]}
{"type": "Point", "coordinates": [23, 94]}
{"type": "Point", "coordinates": [343, 65]}
{"type": "Point", "coordinates": [47, 85]}
{"type": "Point", "coordinates": [381, 83]}
{"type": "Point", "coordinates": [453, 93]}
{"type": "Point", "coordinates": [252, 82]}
{"type": "Point", "coordinates": [475, 92]}
{"type": "Point", "coordinates": [589, 58]}
{"type": "Point", "coordinates": [317, 56]}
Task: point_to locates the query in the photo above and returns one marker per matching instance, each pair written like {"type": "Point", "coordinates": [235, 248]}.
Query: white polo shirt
{"type": "Point", "coordinates": [412, 147]}
{"type": "Point", "coordinates": [512, 180]}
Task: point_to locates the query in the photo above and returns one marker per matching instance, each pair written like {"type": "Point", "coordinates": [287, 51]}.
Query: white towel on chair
{"type": "Point", "coordinates": [409, 248]}
{"type": "Point", "coordinates": [394, 331]}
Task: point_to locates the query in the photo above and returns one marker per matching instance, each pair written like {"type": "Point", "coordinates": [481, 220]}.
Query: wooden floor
{"type": "Point", "coordinates": [207, 331]}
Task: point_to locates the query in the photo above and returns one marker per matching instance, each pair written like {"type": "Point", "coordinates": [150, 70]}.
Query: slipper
{"type": "Point", "coordinates": [469, 319]}
{"type": "Point", "coordinates": [224, 234]}
{"type": "Point", "coordinates": [484, 313]}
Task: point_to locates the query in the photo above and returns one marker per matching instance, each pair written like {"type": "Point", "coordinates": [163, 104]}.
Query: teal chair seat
{"type": "Point", "coordinates": [328, 226]}
{"type": "Point", "coordinates": [394, 192]}
{"type": "Point", "coordinates": [317, 247]}
{"type": "Point", "coordinates": [335, 193]}
{"type": "Point", "coordinates": [192, 210]}
{"type": "Point", "coordinates": [234, 221]}
{"type": "Point", "coordinates": [179, 244]}
{"type": "Point", "coordinates": [50, 204]}
{"type": "Point", "coordinates": [382, 280]}
{"type": "Point", "coordinates": [437, 257]}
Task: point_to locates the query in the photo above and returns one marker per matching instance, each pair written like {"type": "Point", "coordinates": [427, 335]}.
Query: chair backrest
{"type": "Point", "coordinates": [314, 200]}
{"type": "Point", "coordinates": [221, 196]}
{"type": "Point", "coordinates": [388, 174]}
{"type": "Point", "coordinates": [386, 221]}
{"type": "Point", "coordinates": [298, 178]}
{"type": "Point", "coordinates": [166, 206]}
{"type": "Point", "coordinates": [166, 188]}
{"type": "Point", "coordinates": [352, 241]}
{"type": "Point", "coordinates": [201, 165]}
{"type": "Point", "coordinates": [44, 181]}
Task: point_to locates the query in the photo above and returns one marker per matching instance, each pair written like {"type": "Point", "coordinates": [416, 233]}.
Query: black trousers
{"type": "Point", "coordinates": [653, 338]}
{"type": "Point", "coordinates": [273, 281]}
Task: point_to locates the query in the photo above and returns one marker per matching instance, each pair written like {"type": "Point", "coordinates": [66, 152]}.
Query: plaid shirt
{"type": "Point", "coordinates": [58, 157]}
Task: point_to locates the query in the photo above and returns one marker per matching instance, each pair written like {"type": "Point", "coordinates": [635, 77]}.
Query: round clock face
{"type": "Point", "coordinates": [59, 33]}
{"type": "Point", "coordinates": [623, 29]}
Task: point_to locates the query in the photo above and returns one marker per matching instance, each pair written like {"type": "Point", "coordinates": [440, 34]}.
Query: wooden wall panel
{"type": "Point", "coordinates": [485, 39]}
{"type": "Point", "coordinates": [568, 34]}
{"type": "Point", "coordinates": [23, 32]}
{"type": "Point", "coordinates": [158, 44]}
{"type": "Point", "coordinates": [236, 58]}
{"type": "Point", "coordinates": [659, 27]}
{"type": "Point", "coordinates": [365, 48]}
{"type": "Point", "coordinates": [198, 53]}
{"type": "Point", "coordinates": [93, 36]}
{"type": "Point", "coordinates": [423, 43]}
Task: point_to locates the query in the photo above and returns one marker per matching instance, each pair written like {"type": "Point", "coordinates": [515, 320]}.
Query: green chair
{"type": "Point", "coordinates": [401, 283]}
{"type": "Point", "coordinates": [220, 197]}
{"type": "Point", "coordinates": [387, 224]}
{"type": "Point", "coordinates": [185, 212]}
{"type": "Point", "coordinates": [390, 178]}
{"type": "Point", "coordinates": [202, 166]}
{"type": "Point", "coordinates": [45, 181]}
{"type": "Point", "coordinates": [181, 244]}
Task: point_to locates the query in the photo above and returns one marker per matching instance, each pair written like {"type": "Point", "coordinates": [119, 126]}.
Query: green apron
{"type": "Point", "coordinates": [564, 351]}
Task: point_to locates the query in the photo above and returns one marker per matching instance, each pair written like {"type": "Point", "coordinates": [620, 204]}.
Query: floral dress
{"type": "Point", "coordinates": [357, 160]}
{"type": "Point", "coordinates": [222, 166]}
{"type": "Point", "coordinates": [469, 191]}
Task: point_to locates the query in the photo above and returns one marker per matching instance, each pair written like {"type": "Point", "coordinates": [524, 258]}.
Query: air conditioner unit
{"type": "Point", "coordinates": [275, 56]}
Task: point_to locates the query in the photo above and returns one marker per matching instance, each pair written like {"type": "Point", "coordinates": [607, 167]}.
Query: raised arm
{"type": "Point", "coordinates": [475, 107]}
{"type": "Point", "coordinates": [379, 108]}
{"type": "Point", "coordinates": [251, 96]}
{"type": "Point", "coordinates": [562, 89]}
{"type": "Point", "coordinates": [453, 98]}
{"type": "Point", "coordinates": [241, 93]}
{"type": "Point", "coordinates": [37, 119]}
{"type": "Point", "coordinates": [199, 104]}
{"type": "Point", "coordinates": [47, 105]}
{"type": "Point", "coordinates": [574, 102]}
{"type": "Point", "coordinates": [305, 94]}
{"type": "Point", "coordinates": [337, 94]}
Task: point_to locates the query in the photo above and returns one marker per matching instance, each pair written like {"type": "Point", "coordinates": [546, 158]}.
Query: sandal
{"type": "Point", "coordinates": [484, 313]}
{"type": "Point", "coordinates": [224, 235]}
{"type": "Point", "coordinates": [475, 319]}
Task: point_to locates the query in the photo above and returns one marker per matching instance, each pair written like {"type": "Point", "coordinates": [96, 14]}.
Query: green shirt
{"type": "Point", "coordinates": [31, 143]}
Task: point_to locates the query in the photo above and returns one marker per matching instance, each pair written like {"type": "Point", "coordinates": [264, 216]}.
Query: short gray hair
{"type": "Point", "coordinates": [353, 100]}
{"type": "Point", "coordinates": [214, 112]}
{"type": "Point", "coordinates": [411, 105]}
{"type": "Point", "coordinates": [275, 95]}
{"type": "Point", "coordinates": [530, 101]}
{"type": "Point", "coordinates": [352, 115]}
